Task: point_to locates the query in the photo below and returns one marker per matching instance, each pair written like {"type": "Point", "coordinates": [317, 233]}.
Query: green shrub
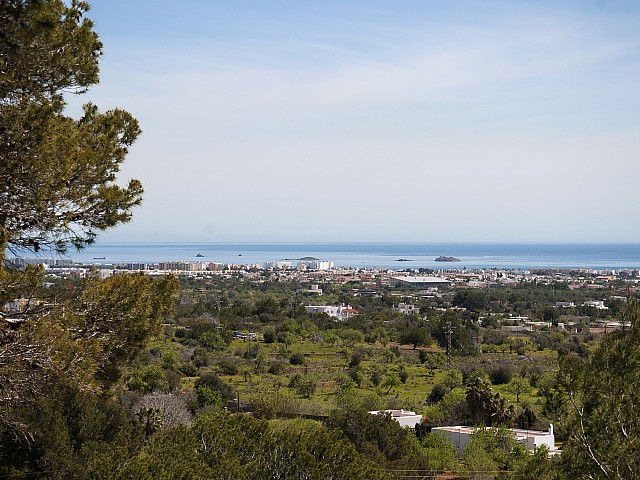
{"type": "Point", "coordinates": [276, 367]}
{"type": "Point", "coordinates": [225, 367]}
{"type": "Point", "coordinates": [437, 393]}
{"type": "Point", "coordinates": [188, 370]}
{"type": "Point", "coordinates": [149, 379]}
{"type": "Point", "coordinates": [297, 359]}
{"type": "Point", "coordinates": [208, 396]}
{"type": "Point", "coordinates": [501, 374]}
{"type": "Point", "coordinates": [214, 382]}
{"type": "Point", "coordinates": [269, 335]}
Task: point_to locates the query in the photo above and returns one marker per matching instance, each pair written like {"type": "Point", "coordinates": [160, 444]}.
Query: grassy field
{"type": "Point", "coordinates": [326, 367]}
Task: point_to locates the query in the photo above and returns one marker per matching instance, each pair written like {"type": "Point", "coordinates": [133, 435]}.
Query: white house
{"type": "Point", "coordinates": [599, 304]}
{"type": "Point", "coordinates": [15, 306]}
{"type": "Point", "coordinates": [531, 439]}
{"type": "Point", "coordinates": [315, 265]}
{"type": "Point", "coordinates": [418, 281]}
{"type": "Point", "coordinates": [340, 312]}
{"type": "Point", "coordinates": [283, 265]}
{"type": "Point", "coordinates": [407, 308]}
{"type": "Point", "coordinates": [404, 417]}
{"type": "Point", "coordinates": [565, 304]}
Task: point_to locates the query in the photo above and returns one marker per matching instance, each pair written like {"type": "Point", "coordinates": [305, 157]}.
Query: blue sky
{"type": "Point", "coordinates": [377, 121]}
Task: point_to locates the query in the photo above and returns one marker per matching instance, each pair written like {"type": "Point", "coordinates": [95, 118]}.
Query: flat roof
{"type": "Point", "coordinates": [397, 413]}
{"type": "Point", "coordinates": [516, 431]}
{"type": "Point", "coordinates": [422, 279]}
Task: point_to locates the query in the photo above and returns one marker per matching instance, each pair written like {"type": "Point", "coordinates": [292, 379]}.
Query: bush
{"type": "Point", "coordinates": [208, 396]}
{"type": "Point", "coordinates": [225, 367]}
{"type": "Point", "coordinates": [285, 337]}
{"type": "Point", "coordinates": [396, 351]}
{"type": "Point", "coordinates": [252, 352]}
{"type": "Point", "coordinates": [275, 405]}
{"type": "Point", "coordinates": [493, 449]}
{"type": "Point", "coordinates": [264, 407]}
{"type": "Point", "coordinates": [297, 359]}
{"type": "Point", "coordinates": [452, 379]}
{"type": "Point", "coordinates": [269, 336]}
{"type": "Point", "coordinates": [501, 374]}
{"type": "Point", "coordinates": [379, 436]}
{"type": "Point", "coordinates": [440, 452]}
{"type": "Point", "coordinates": [355, 374]}
{"type": "Point", "coordinates": [149, 379]}
{"type": "Point", "coordinates": [200, 357]}
{"type": "Point", "coordinates": [215, 383]}
{"type": "Point", "coordinates": [437, 393]}
{"type": "Point", "coordinates": [188, 370]}
{"type": "Point", "coordinates": [423, 356]}
{"type": "Point", "coordinates": [276, 368]}
{"type": "Point", "coordinates": [376, 377]}
{"type": "Point", "coordinates": [356, 358]}
{"type": "Point", "coordinates": [471, 372]}
{"type": "Point", "coordinates": [173, 380]}
{"type": "Point", "coordinates": [169, 359]}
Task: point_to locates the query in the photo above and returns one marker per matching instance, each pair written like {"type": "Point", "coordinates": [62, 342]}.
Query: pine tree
{"type": "Point", "coordinates": [604, 394]}
{"type": "Point", "coordinates": [57, 173]}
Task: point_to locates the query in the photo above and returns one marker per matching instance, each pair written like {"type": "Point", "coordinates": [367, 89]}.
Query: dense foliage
{"type": "Point", "coordinates": [57, 177]}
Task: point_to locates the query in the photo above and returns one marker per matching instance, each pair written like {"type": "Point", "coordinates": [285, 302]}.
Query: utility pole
{"type": "Point", "coordinates": [449, 332]}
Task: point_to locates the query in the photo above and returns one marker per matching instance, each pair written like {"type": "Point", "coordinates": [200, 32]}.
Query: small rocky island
{"type": "Point", "coordinates": [403, 260]}
{"type": "Point", "coordinates": [443, 258]}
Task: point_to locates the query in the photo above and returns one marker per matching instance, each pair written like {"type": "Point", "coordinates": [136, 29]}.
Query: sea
{"type": "Point", "coordinates": [518, 256]}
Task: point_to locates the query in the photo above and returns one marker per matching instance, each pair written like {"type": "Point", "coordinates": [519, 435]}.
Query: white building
{"type": "Point", "coordinates": [404, 417]}
{"type": "Point", "coordinates": [598, 304]}
{"type": "Point", "coordinates": [516, 328]}
{"type": "Point", "coordinates": [314, 265]}
{"type": "Point", "coordinates": [420, 282]}
{"type": "Point", "coordinates": [531, 439]}
{"type": "Point", "coordinates": [182, 266]}
{"type": "Point", "coordinates": [315, 289]}
{"type": "Point", "coordinates": [407, 308]}
{"type": "Point", "coordinates": [565, 304]}
{"type": "Point", "coordinates": [340, 312]}
{"type": "Point", "coordinates": [15, 306]}
{"type": "Point", "coordinates": [283, 265]}
{"type": "Point", "coordinates": [47, 262]}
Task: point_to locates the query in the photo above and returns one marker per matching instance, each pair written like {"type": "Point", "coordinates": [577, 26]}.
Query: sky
{"type": "Point", "coordinates": [376, 121]}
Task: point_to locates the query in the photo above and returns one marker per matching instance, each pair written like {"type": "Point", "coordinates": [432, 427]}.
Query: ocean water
{"type": "Point", "coordinates": [472, 255]}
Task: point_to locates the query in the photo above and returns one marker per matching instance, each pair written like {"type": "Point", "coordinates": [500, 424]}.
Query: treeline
{"type": "Point", "coordinates": [234, 304]}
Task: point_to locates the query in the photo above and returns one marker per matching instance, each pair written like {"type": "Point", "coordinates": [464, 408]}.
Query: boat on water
{"type": "Point", "coordinates": [99, 258]}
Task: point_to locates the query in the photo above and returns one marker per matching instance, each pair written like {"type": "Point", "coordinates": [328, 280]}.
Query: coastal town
{"type": "Point", "coordinates": [319, 271]}
{"type": "Point", "coordinates": [604, 286]}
